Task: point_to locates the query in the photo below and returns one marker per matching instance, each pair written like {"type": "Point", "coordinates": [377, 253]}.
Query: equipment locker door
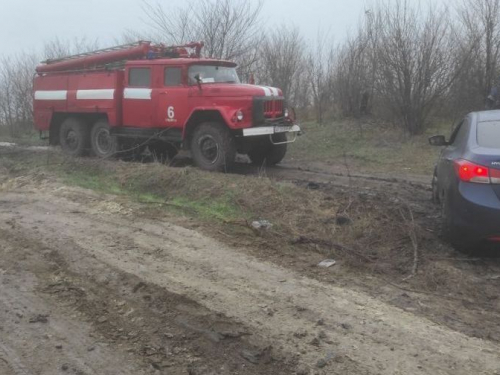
{"type": "Point", "coordinates": [137, 98]}
{"type": "Point", "coordinates": [172, 108]}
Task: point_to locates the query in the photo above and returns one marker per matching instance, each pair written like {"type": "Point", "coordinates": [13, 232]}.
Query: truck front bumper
{"type": "Point", "coordinates": [270, 130]}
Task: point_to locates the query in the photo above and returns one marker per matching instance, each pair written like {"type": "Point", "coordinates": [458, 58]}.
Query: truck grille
{"type": "Point", "coordinates": [273, 109]}
{"type": "Point", "coordinates": [267, 110]}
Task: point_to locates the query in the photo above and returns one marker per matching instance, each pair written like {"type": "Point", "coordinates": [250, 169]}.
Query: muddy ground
{"type": "Point", "coordinates": [94, 283]}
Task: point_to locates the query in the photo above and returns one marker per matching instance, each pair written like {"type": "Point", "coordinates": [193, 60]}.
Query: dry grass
{"type": "Point", "coordinates": [368, 146]}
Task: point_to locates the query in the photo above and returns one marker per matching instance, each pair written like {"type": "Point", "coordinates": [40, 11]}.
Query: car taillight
{"type": "Point", "coordinates": [495, 176]}
{"type": "Point", "coordinates": [470, 172]}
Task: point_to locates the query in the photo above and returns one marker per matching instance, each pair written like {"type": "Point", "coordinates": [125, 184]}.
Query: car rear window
{"type": "Point", "coordinates": [488, 134]}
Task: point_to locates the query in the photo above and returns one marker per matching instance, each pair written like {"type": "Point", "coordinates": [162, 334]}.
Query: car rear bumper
{"type": "Point", "coordinates": [476, 211]}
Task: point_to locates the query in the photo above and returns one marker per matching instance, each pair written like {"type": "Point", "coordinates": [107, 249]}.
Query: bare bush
{"type": "Point", "coordinates": [414, 61]}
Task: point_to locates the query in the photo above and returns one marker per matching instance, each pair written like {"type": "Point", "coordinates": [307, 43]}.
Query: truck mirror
{"type": "Point", "coordinates": [198, 79]}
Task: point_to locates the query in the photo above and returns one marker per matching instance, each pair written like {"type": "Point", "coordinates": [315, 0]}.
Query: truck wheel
{"type": "Point", "coordinates": [103, 144]}
{"type": "Point", "coordinates": [213, 147]}
{"type": "Point", "coordinates": [74, 137]}
{"type": "Point", "coordinates": [163, 151]}
{"type": "Point", "coordinates": [268, 153]}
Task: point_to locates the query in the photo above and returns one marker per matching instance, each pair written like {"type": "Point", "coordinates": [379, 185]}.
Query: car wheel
{"type": "Point", "coordinates": [74, 137]}
{"type": "Point", "coordinates": [103, 144]}
{"type": "Point", "coordinates": [435, 189]}
{"type": "Point", "coordinates": [213, 147]}
{"type": "Point", "coordinates": [268, 153]}
{"type": "Point", "coordinates": [456, 237]}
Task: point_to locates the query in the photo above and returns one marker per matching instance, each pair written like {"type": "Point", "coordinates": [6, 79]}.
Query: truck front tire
{"type": "Point", "coordinates": [213, 147]}
{"type": "Point", "coordinates": [74, 137]}
{"type": "Point", "coordinates": [268, 153]}
{"type": "Point", "coordinates": [103, 144]}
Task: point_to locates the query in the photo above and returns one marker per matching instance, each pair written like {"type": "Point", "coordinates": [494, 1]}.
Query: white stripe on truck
{"type": "Point", "coordinates": [143, 94]}
{"type": "Point", "coordinates": [51, 95]}
{"type": "Point", "coordinates": [274, 91]}
{"type": "Point", "coordinates": [95, 94]}
{"type": "Point", "coordinates": [267, 91]}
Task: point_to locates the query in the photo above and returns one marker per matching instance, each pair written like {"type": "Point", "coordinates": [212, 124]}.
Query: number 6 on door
{"type": "Point", "coordinates": [170, 112]}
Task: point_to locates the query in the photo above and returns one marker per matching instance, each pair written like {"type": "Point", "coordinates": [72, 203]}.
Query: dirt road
{"type": "Point", "coordinates": [88, 287]}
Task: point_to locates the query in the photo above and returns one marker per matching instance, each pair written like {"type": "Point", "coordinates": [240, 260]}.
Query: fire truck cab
{"type": "Point", "coordinates": [120, 100]}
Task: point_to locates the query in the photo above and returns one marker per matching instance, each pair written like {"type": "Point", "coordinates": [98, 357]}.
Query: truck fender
{"type": "Point", "coordinates": [204, 114]}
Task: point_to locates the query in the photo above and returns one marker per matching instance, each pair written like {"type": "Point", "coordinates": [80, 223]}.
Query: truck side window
{"type": "Point", "coordinates": [139, 77]}
{"type": "Point", "coordinates": [173, 76]}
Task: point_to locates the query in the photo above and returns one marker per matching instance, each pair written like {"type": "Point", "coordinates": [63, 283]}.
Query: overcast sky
{"type": "Point", "coordinates": [26, 24]}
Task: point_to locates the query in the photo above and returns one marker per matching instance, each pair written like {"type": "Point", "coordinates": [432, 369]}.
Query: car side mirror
{"type": "Point", "coordinates": [438, 140]}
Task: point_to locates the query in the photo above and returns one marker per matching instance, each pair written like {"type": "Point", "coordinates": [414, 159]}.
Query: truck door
{"type": "Point", "coordinates": [172, 108]}
{"type": "Point", "coordinates": [137, 98]}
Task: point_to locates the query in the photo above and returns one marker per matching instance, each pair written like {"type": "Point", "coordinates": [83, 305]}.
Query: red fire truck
{"type": "Point", "coordinates": [119, 100]}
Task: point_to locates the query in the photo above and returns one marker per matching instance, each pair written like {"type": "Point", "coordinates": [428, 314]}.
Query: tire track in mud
{"type": "Point", "coordinates": [345, 331]}
{"type": "Point", "coordinates": [165, 332]}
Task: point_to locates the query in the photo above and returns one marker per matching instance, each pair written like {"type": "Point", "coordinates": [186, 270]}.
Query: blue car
{"type": "Point", "coordinates": [466, 182]}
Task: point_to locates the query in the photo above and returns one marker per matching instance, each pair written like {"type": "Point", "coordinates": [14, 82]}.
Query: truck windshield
{"type": "Point", "coordinates": [213, 74]}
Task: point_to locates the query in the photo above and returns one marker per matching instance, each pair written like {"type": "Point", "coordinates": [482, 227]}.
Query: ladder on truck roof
{"type": "Point", "coordinates": [114, 57]}
{"type": "Point", "coordinates": [97, 52]}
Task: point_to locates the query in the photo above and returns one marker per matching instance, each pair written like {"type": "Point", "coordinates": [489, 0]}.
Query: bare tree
{"type": "Point", "coordinates": [230, 29]}
{"type": "Point", "coordinates": [478, 36]}
{"type": "Point", "coordinates": [415, 61]}
{"type": "Point", "coordinates": [320, 65]}
{"type": "Point", "coordinates": [354, 80]}
{"type": "Point", "coordinates": [282, 62]}
{"type": "Point", "coordinates": [16, 77]}
{"type": "Point", "coordinates": [57, 48]}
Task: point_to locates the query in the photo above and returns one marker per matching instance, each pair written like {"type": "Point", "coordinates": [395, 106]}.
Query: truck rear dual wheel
{"type": "Point", "coordinates": [74, 137]}
{"type": "Point", "coordinates": [102, 142]}
{"type": "Point", "coordinates": [267, 153]}
{"type": "Point", "coordinates": [213, 147]}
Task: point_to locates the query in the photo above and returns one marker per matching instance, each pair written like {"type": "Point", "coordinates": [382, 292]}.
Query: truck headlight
{"type": "Point", "coordinates": [239, 115]}
{"type": "Point", "coordinates": [285, 112]}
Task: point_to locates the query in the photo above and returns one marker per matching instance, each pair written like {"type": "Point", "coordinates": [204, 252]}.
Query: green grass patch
{"type": "Point", "coordinates": [187, 191]}
{"type": "Point", "coordinates": [91, 180]}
